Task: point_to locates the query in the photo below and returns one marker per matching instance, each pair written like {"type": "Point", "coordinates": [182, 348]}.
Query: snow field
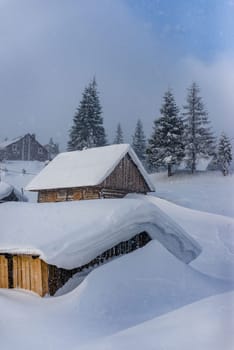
{"type": "Point", "coordinates": [147, 299]}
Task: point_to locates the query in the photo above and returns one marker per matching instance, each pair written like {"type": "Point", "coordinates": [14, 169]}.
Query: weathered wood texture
{"type": "Point", "coordinates": [125, 178]}
{"type": "Point", "coordinates": [24, 271]}
{"type": "Point", "coordinates": [70, 194]}
{"type": "Point", "coordinates": [3, 272]}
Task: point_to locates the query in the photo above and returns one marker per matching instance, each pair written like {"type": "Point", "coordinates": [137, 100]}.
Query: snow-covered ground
{"type": "Point", "coordinates": [147, 299]}
{"type": "Point", "coordinates": [206, 191]}
{"type": "Point", "coordinates": [20, 173]}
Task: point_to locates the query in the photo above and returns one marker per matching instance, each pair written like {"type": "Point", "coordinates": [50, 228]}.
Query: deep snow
{"type": "Point", "coordinates": [205, 191]}
{"type": "Point", "coordinates": [147, 299]}
{"type": "Point", "coordinates": [70, 234]}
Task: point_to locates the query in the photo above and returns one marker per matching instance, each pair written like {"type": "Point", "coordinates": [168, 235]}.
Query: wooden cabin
{"type": "Point", "coordinates": [23, 148]}
{"type": "Point", "coordinates": [103, 172]}
{"type": "Point", "coordinates": [26, 271]}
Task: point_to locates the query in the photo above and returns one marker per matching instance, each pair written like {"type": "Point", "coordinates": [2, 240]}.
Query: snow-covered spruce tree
{"type": "Point", "coordinates": [118, 135]}
{"type": "Point", "coordinates": [166, 147]}
{"type": "Point", "coordinates": [224, 153]}
{"type": "Point", "coordinates": [87, 130]}
{"type": "Point", "coordinates": [198, 137]}
{"type": "Point", "coordinates": [139, 141]}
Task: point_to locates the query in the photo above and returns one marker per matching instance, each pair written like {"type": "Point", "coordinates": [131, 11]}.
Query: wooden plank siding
{"type": "Point", "coordinates": [125, 178]}
{"type": "Point", "coordinates": [30, 273]}
{"type": "Point", "coordinates": [3, 272]}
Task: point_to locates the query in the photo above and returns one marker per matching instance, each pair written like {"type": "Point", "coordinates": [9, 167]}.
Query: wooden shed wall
{"type": "Point", "coordinates": [125, 178]}
{"type": "Point", "coordinates": [24, 271]}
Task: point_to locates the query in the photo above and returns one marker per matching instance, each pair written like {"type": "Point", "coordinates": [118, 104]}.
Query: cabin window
{"type": "Point", "coordinates": [61, 195]}
{"type": "Point", "coordinates": [70, 195]}
{"type": "Point", "coordinates": [40, 150]}
{"type": "Point", "coordinates": [14, 147]}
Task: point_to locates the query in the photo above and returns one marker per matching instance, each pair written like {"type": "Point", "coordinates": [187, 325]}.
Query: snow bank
{"type": "Point", "coordinates": [123, 293]}
{"type": "Point", "coordinates": [211, 191]}
{"type": "Point", "coordinates": [214, 233]}
{"type": "Point", "coordinates": [73, 233]}
{"type": "Point", "coordinates": [19, 173]}
{"type": "Point", "coordinates": [5, 189]}
{"type": "Point", "coordinates": [207, 324]}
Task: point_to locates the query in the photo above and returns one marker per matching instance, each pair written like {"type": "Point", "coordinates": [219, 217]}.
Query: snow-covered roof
{"type": "Point", "coordinates": [84, 168]}
{"type": "Point", "coordinates": [73, 233]}
{"type": "Point", "coordinates": [6, 143]}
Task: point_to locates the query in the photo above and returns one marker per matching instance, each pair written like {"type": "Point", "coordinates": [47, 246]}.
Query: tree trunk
{"type": "Point", "coordinates": [169, 172]}
{"type": "Point", "coordinates": [193, 168]}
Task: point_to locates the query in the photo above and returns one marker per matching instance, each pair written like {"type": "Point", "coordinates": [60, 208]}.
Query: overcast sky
{"type": "Point", "coordinates": [51, 49]}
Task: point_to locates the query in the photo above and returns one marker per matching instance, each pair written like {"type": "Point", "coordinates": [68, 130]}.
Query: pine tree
{"type": "Point", "coordinates": [166, 146]}
{"type": "Point", "coordinates": [118, 135]}
{"type": "Point", "coordinates": [224, 153]}
{"type": "Point", "coordinates": [139, 141]}
{"type": "Point", "coordinates": [52, 148]}
{"type": "Point", "coordinates": [87, 130]}
{"type": "Point", "coordinates": [199, 139]}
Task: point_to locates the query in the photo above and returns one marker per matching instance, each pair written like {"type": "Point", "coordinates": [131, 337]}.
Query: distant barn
{"type": "Point", "coordinates": [23, 148]}
{"type": "Point", "coordinates": [103, 172]}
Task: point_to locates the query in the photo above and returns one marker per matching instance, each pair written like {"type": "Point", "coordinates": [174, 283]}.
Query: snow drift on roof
{"type": "Point", "coordinates": [73, 233]}
{"type": "Point", "coordinates": [84, 168]}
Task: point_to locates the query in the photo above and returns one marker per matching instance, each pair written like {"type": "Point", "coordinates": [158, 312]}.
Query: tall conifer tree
{"type": "Point", "coordinates": [199, 139]}
{"type": "Point", "coordinates": [224, 153]}
{"type": "Point", "coordinates": [87, 130]}
{"type": "Point", "coordinates": [118, 135]}
{"type": "Point", "coordinates": [139, 141]}
{"type": "Point", "coordinates": [166, 146]}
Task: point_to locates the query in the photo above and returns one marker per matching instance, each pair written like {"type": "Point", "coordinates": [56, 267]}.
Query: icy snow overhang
{"type": "Point", "coordinates": [89, 167]}
{"type": "Point", "coordinates": [71, 234]}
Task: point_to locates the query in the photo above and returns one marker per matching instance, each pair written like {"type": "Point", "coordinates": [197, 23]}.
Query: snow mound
{"type": "Point", "coordinates": [19, 173]}
{"type": "Point", "coordinates": [206, 324]}
{"type": "Point", "coordinates": [6, 189]}
{"type": "Point", "coordinates": [211, 191]}
{"type": "Point", "coordinates": [214, 233]}
{"type": "Point", "coordinates": [73, 233]}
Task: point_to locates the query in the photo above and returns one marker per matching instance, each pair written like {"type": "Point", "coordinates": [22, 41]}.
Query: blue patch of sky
{"type": "Point", "coordinates": [202, 28]}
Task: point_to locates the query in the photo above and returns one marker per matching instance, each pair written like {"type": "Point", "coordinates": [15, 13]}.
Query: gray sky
{"type": "Point", "coordinates": [51, 49]}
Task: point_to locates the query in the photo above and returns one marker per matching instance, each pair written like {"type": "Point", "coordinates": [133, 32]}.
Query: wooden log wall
{"type": "Point", "coordinates": [62, 195]}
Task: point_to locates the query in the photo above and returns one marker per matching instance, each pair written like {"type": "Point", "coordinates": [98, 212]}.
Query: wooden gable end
{"type": "Point", "coordinates": [127, 177]}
